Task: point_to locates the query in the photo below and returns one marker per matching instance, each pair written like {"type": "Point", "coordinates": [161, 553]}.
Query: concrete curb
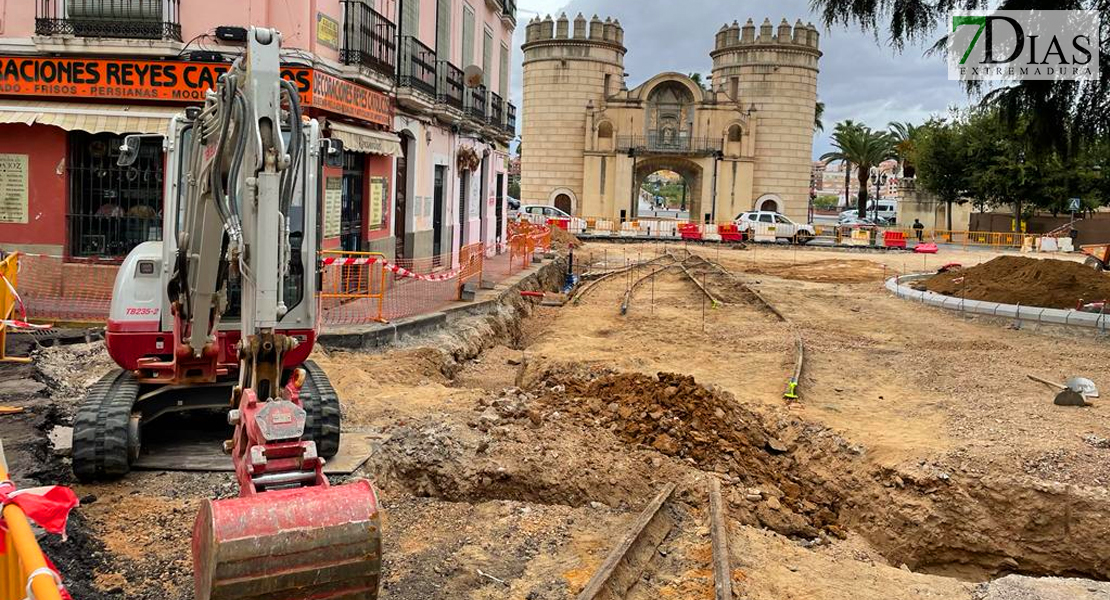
{"type": "Point", "coordinates": [380, 335]}
{"type": "Point", "coordinates": [1036, 314]}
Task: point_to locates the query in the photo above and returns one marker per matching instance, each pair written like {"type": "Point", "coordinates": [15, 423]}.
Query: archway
{"type": "Point", "coordinates": [769, 202]}
{"type": "Point", "coordinates": [668, 187]}
{"type": "Point", "coordinates": [564, 200]}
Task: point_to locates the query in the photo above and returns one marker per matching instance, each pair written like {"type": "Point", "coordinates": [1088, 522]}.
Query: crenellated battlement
{"type": "Point", "coordinates": [736, 37]}
{"type": "Point", "coordinates": [595, 30]}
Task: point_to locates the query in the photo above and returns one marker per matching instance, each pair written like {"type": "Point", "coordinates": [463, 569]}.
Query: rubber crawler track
{"type": "Point", "coordinates": [100, 449]}
{"type": "Point", "coordinates": [322, 405]}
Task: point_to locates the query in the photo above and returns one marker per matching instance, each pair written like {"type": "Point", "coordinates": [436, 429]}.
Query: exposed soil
{"type": "Point", "coordinates": [517, 446]}
{"type": "Point", "coordinates": [1025, 281]}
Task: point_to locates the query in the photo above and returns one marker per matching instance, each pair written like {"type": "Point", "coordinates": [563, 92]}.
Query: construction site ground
{"type": "Point", "coordinates": [514, 449]}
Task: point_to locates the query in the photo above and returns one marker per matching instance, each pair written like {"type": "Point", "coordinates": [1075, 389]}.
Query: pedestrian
{"type": "Point", "coordinates": [919, 230]}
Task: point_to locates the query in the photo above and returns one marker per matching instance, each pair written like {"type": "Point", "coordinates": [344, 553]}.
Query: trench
{"type": "Point", "coordinates": [814, 485]}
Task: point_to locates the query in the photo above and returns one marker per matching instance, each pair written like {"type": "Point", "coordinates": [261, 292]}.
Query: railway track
{"type": "Point", "coordinates": [633, 555]}
{"type": "Point", "coordinates": [706, 275]}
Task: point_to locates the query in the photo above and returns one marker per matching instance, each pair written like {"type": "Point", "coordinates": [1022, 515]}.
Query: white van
{"type": "Point", "coordinates": [888, 211]}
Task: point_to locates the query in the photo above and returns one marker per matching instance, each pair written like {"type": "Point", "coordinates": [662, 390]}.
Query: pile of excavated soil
{"type": "Point", "coordinates": [1025, 281]}
{"type": "Point", "coordinates": [562, 239]}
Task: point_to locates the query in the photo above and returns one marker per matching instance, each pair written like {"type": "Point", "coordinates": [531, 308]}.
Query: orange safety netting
{"type": "Point", "coordinates": [356, 287]}
{"type": "Point", "coordinates": [54, 288]}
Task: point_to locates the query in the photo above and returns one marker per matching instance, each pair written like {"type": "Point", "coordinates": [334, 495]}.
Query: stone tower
{"type": "Point", "coordinates": [772, 73]}
{"type": "Point", "coordinates": [567, 67]}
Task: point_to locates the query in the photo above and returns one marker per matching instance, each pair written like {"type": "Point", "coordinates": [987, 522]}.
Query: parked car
{"type": "Point", "coordinates": [853, 221]}
{"type": "Point", "coordinates": [887, 212]}
{"type": "Point", "coordinates": [514, 203]}
{"type": "Point", "coordinates": [545, 210]}
{"type": "Point", "coordinates": [777, 223]}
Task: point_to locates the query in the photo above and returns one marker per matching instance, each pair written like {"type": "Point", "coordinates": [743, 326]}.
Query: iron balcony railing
{"type": "Point", "coordinates": [130, 19]}
{"type": "Point", "coordinates": [418, 66]}
{"type": "Point", "coordinates": [496, 114]}
{"type": "Point", "coordinates": [509, 9]}
{"type": "Point", "coordinates": [476, 103]}
{"type": "Point", "coordinates": [369, 39]}
{"type": "Point", "coordinates": [669, 143]}
{"type": "Point", "coordinates": [510, 118]}
{"type": "Point", "coordinates": [450, 87]}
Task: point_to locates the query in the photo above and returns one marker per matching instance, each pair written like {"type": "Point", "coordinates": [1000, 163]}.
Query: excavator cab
{"type": "Point", "coordinates": [221, 314]}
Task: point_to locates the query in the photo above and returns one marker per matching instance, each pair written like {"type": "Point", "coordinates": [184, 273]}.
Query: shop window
{"type": "Point", "coordinates": [112, 208]}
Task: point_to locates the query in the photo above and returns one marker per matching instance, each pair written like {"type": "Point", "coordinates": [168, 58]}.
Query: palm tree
{"type": "Point", "coordinates": [904, 134]}
{"type": "Point", "coordinates": [696, 78]}
{"type": "Point", "coordinates": [839, 132]}
{"type": "Point", "coordinates": [818, 113]}
{"type": "Point", "coordinates": [864, 148]}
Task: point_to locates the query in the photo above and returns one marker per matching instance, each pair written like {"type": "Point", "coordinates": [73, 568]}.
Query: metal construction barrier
{"type": "Point", "coordinates": [353, 286]}
{"type": "Point", "coordinates": [25, 572]}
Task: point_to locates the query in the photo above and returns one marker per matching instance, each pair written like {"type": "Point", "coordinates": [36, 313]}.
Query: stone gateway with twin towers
{"type": "Point", "coordinates": [740, 142]}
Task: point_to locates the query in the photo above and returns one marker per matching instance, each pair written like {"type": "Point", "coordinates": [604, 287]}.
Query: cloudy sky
{"type": "Point", "coordinates": [861, 78]}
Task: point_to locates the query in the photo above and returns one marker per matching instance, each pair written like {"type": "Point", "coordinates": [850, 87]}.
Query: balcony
{"type": "Point", "coordinates": [418, 66]}
{"type": "Point", "coordinates": [508, 11]}
{"type": "Point", "coordinates": [369, 39]}
{"type": "Point", "coordinates": [450, 87]}
{"type": "Point", "coordinates": [510, 118]}
{"type": "Point", "coordinates": [120, 19]}
{"type": "Point", "coordinates": [496, 116]}
{"type": "Point", "coordinates": [475, 105]}
{"type": "Point", "coordinates": [669, 143]}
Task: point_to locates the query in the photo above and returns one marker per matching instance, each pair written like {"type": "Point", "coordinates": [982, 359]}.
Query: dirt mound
{"type": "Point", "coordinates": [1025, 281]}
{"type": "Point", "coordinates": [562, 239]}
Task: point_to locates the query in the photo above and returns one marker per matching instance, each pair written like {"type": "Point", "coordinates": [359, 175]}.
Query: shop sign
{"type": "Point", "coordinates": [333, 206]}
{"type": "Point", "coordinates": [339, 96]}
{"type": "Point", "coordinates": [13, 188]}
{"type": "Point", "coordinates": [377, 203]}
{"type": "Point", "coordinates": [327, 31]}
{"type": "Point", "coordinates": [175, 81]}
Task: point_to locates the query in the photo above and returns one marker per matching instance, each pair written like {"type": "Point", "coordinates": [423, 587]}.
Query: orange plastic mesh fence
{"type": "Point", "coordinates": [355, 289]}
{"type": "Point", "coordinates": [352, 287]}
{"type": "Point", "coordinates": [53, 288]}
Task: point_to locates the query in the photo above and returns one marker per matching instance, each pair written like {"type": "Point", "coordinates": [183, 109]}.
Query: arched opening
{"type": "Point", "coordinates": [769, 202]}
{"type": "Point", "coordinates": [668, 188]}
{"type": "Point", "coordinates": [563, 203]}
{"type": "Point", "coordinates": [664, 194]}
{"type": "Point", "coordinates": [734, 133]}
{"type": "Point", "coordinates": [605, 136]}
{"type": "Point", "coordinates": [670, 116]}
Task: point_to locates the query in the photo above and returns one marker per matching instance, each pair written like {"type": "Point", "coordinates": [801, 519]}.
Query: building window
{"type": "Point", "coordinates": [410, 18]}
{"type": "Point", "coordinates": [604, 168]}
{"type": "Point", "coordinates": [608, 82]}
{"type": "Point", "coordinates": [112, 208]}
{"type": "Point", "coordinates": [468, 37]}
{"type": "Point", "coordinates": [487, 58]}
{"type": "Point", "coordinates": [503, 75]}
{"type": "Point", "coordinates": [443, 30]}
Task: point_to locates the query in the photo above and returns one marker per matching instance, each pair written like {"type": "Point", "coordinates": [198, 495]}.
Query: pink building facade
{"type": "Point", "coordinates": [425, 166]}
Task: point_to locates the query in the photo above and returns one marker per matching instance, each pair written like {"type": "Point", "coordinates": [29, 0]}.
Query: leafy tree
{"type": "Point", "coordinates": [697, 78]}
{"type": "Point", "coordinates": [939, 149]}
{"type": "Point", "coordinates": [864, 148]}
{"type": "Point", "coordinates": [818, 115]}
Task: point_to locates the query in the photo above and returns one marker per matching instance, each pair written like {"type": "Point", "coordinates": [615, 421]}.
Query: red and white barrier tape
{"type": "Point", "coordinates": [20, 323]}
{"type": "Point", "coordinates": [403, 272]}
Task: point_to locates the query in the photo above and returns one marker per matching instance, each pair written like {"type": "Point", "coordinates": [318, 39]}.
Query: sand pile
{"type": "Point", "coordinates": [1025, 281]}
{"type": "Point", "coordinates": [562, 239]}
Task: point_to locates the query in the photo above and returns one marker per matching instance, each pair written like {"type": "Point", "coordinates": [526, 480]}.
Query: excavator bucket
{"type": "Point", "coordinates": [316, 543]}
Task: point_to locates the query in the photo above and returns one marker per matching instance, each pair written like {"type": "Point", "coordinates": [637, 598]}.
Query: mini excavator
{"type": "Point", "coordinates": [221, 314]}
